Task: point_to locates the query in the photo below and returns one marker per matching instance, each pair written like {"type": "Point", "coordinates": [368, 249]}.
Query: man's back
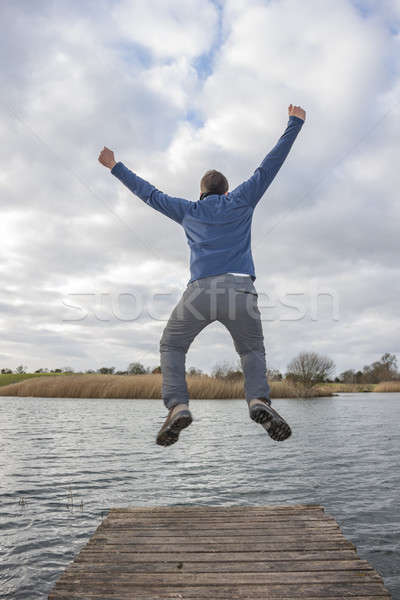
{"type": "Point", "coordinates": [218, 231]}
{"type": "Point", "coordinates": [217, 227]}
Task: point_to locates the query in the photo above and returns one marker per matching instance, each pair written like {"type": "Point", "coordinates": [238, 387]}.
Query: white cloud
{"type": "Point", "coordinates": [168, 29]}
{"type": "Point", "coordinates": [126, 75]}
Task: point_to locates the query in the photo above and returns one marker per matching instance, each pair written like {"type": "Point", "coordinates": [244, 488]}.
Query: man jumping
{"type": "Point", "coordinates": [221, 288]}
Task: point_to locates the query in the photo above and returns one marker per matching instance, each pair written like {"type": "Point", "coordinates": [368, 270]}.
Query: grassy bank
{"type": "Point", "coordinates": [339, 388]}
{"type": "Point", "coordinates": [134, 386]}
{"type": "Point", "coordinates": [6, 379]}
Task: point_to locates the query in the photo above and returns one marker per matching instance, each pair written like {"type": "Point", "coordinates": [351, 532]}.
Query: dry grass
{"type": "Point", "coordinates": [149, 386]}
{"type": "Point", "coordinates": [134, 386]}
{"type": "Point", "coordinates": [387, 386]}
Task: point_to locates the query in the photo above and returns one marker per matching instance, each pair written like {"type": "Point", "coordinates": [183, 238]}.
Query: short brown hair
{"type": "Point", "coordinates": [214, 182]}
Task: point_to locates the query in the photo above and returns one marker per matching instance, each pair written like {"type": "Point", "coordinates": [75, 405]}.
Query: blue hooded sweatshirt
{"type": "Point", "coordinates": [217, 227]}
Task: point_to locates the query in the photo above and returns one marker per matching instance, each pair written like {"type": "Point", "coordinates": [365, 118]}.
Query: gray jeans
{"type": "Point", "coordinates": [231, 300]}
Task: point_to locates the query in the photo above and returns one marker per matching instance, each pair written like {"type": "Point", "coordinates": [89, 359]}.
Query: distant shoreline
{"type": "Point", "coordinates": [149, 386]}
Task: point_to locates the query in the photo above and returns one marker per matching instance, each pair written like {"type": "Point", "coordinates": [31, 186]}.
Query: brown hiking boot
{"type": "Point", "coordinates": [178, 418]}
{"type": "Point", "coordinates": [261, 412]}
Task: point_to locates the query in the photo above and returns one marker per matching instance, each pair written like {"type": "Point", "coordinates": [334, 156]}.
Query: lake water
{"type": "Point", "coordinates": [343, 454]}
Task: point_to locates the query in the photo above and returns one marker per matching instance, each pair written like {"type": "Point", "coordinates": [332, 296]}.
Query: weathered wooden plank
{"type": "Point", "coordinates": [218, 525]}
{"type": "Point", "coordinates": [274, 543]}
{"type": "Point", "coordinates": [95, 546]}
{"type": "Point", "coordinates": [236, 547]}
{"type": "Point", "coordinates": [208, 539]}
{"type": "Point", "coordinates": [220, 529]}
{"type": "Point", "coordinates": [173, 580]}
{"type": "Point", "coordinates": [226, 567]}
{"type": "Point", "coordinates": [217, 507]}
{"type": "Point", "coordinates": [218, 532]}
{"type": "Point", "coordinates": [271, 518]}
{"type": "Point", "coordinates": [210, 516]}
{"type": "Point", "coordinates": [185, 530]}
{"type": "Point", "coordinates": [235, 591]}
{"type": "Point", "coordinates": [203, 593]}
{"type": "Point", "coordinates": [214, 512]}
{"type": "Point", "coordinates": [177, 555]}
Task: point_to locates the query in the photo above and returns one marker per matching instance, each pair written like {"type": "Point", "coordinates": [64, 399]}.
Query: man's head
{"type": "Point", "coordinates": [214, 182]}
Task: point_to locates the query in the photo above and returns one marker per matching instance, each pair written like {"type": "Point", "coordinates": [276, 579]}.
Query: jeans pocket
{"type": "Point", "coordinates": [247, 291]}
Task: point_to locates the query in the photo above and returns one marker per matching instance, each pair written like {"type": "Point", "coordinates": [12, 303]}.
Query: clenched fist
{"type": "Point", "coordinates": [297, 111]}
{"type": "Point", "coordinates": [106, 157]}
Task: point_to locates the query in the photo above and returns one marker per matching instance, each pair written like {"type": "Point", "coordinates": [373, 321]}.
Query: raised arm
{"type": "Point", "coordinates": [174, 208]}
{"type": "Point", "coordinates": [252, 190]}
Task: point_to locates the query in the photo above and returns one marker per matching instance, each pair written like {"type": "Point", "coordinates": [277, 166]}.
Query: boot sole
{"type": "Point", "coordinates": [274, 424]}
{"type": "Point", "coordinates": [170, 434]}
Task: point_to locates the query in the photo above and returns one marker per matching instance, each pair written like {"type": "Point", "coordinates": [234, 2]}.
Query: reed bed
{"type": "Point", "coordinates": [136, 386]}
{"type": "Point", "coordinates": [387, 386]}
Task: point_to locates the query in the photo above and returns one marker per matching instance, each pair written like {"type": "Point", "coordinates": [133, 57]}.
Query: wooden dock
{"type": "Point", "coordinates": [219, 553]}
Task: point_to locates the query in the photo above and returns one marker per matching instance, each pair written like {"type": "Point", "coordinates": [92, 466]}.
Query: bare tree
{"type": "Point", "coordinates": [384, 369]}
{"type": "Point", "coordinates": [274, 375]}
{"type": "Point", "coordinates": [194, 371]}
{"type": "Point", "coordinates": [225, 370]}
{"type": "Point", "coordinates": [348, 376]}
{"type": "Point", "coordinates": [307, 369]}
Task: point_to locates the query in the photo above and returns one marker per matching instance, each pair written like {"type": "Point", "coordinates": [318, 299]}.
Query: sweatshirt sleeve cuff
{"type": "Point", "coordinates": [296, 120]}
{"type": "Point", "coordinates": [117, 168]}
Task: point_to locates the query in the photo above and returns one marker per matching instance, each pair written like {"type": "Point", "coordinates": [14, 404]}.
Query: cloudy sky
{"type": "Point", "coordinates": [90, 273]}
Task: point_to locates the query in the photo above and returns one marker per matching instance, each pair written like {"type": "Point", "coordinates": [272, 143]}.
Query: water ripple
{"type": "Point", "coordinates": [65, 462]}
